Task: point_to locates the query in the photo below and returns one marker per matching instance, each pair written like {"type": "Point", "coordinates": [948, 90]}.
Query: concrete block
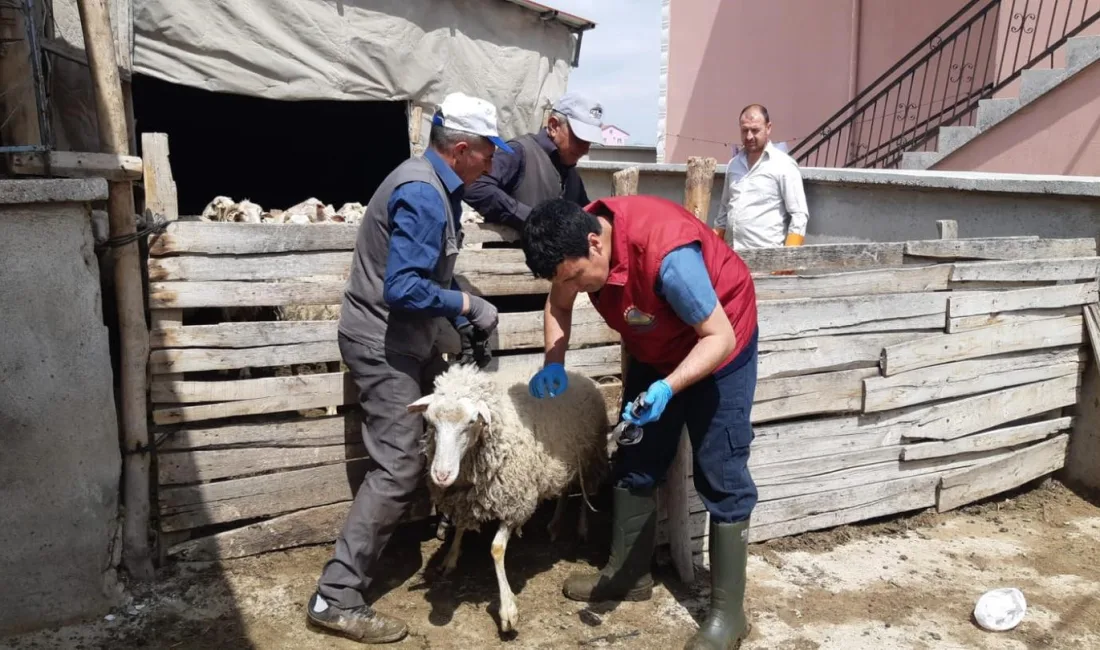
{"type": "Point", "coordinates": [953, 137]}
{"type": "Point", "coordinates": [52, 190]}
{"type": "Point", "coordinates": [60, 461]}
{"type": "Point", "coordinates": [993, 111]}
{"type": "Point", "coordinates": [919, 159]}
{"type": "Point", "coordinates": [1035, 83]}
{"type": "Point", "coordinates": [1081, 51]}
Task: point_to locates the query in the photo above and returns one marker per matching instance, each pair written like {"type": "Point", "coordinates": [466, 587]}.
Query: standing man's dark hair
{"type": "Point", "coordinates": [758, 108]}
{"type": "Point", "coordinates": [556, 230]}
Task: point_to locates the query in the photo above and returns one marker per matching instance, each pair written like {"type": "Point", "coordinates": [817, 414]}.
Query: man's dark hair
{"type": "Point", "coordinates": [758, 108]}
{"type": "Point", "coordinates": [556, 230]}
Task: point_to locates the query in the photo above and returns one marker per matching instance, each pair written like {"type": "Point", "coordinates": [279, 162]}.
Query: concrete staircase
{"type": "Point", "coordinates": [1081, 52]}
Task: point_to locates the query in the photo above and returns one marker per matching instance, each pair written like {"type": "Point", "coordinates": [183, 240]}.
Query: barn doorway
{"type": "Point", "coordinates": [274, 153]}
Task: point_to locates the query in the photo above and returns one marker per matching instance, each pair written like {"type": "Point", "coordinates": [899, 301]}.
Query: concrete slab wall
{"type": "Point", "coordinates": [59, 451]}
{"type": "Point", "coordinates": [864, 205]}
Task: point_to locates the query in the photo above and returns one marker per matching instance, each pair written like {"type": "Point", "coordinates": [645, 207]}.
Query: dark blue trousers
{"type": "Point", "coordinates": [717, 413]}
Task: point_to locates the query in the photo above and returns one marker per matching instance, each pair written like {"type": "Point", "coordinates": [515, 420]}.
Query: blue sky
{"type": "Point", "coordinates": [620, 61]}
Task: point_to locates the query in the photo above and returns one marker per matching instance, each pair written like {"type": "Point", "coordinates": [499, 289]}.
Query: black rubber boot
{"type": "Point", "coordinates": [361, 624]}
{"type": "Point", "coordinates": [726, 624]}
{"type": "Point", "coordinates": [626, 575]}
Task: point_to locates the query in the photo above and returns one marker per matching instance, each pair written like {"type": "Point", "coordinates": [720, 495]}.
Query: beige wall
{"type": "Point", "coordinates": [1059, 133]}
{"type": "Point", "coordinates": [803, 60]}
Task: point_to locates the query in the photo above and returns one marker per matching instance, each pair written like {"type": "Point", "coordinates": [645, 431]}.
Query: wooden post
{"type": "Point", "coordinates": [624, 183]}
{"type": "Point", "coordinates": [99, 43]}
{"type": "Point", "coordinates": [948, 229]}
{"type": "Point", "coordinates": [416, 116]}
{"type": "Point", "coordinates": [697, 185]}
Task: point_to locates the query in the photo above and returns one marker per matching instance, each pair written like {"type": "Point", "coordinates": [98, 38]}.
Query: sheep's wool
{"type": "Point", "coordinates": [532, 449]}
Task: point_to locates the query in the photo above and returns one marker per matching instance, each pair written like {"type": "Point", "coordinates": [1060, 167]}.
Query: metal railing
{"type": "Point", "coordinates": [979, 51]}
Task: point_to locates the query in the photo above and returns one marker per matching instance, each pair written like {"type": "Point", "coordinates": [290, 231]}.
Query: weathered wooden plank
{"type": "Point", "coordinates": [244, 334]}
{"type": "Point", "coordinates": [978, 321]}
{"type": "Point", "coordinates": [184, 295]}
{"type": "Point", "coordinates": [825, 256]}
{"type": "Point", "coordinates": [827, 509]}
{"type": "Point", "coordinates": [299, 432]}
{"type": "Point", "coordinates": [988, 341]}
{"type": "Point", "coordinates": [602, 361]}
{"type": "Point", "coordinates": [810, 468]}
{"type": "Point", "coordinates": [337, 384]}
{"type": "Point", "coordinates": [828, 443]}
{"type": "Point", "coordinates": [996, 439]}
{"type": "Point", "coordinates": [1068, 295]}
{"type": "Point", "coordinates": [957, 418]}
{"type": "Point", "coordinates": [1028, 270]}
{"type": "Point", "coordinates": [195, 466]}
{"type": "Point", "coordinates": [831, 392]}
{"type": "Point", "coordinates": [276, 404]}
{"type": "Point", "coordinates": [224, 238]}
{"type": "Point", "coordinates": [516, 330]}
{"type": "Point", "coordinates": [801, 318]}
{"type": "Point", "coordinates": [198, 359]}
{"type": "Point", "coordinates": [251, 268]}
{"type": "Point", "coordinates": [1001, 249]}
{"type": "Point", "coordinates": [317, 525]}
{"type": "Point", "coordinates": [968, 377]}
{"type": "Point", "coordinates": [192, 506]}
{"type": "Point", "coordinates": [854, 283]}
{"type": "Point", "coordinates": [1027, 464]}
{"type": "Point", "coordinates": [73, 164]}
{"type": "Point", "coordinates": [792, 357]}
{"type": "Point", "coordinates": [488, 233]}
{"type": "Point", "coordinates": [497, 272]}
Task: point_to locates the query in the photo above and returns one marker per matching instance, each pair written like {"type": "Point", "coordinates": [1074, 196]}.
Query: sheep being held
{"type": "Point", "coordinates": [495, 452]}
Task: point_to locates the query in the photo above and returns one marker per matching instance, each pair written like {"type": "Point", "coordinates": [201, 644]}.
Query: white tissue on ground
{"type": "Point", "coordinates": [999, 610]}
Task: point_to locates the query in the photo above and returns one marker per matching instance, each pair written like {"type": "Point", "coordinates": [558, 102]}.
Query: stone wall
{"type": "Point", "coordinates": [60, 461]}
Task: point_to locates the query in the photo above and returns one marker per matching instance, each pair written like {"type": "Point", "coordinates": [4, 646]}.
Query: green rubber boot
{"type": "Point", "coordinates": [726, 625]}
{"type": "Point", "coordinates": [626, 575]}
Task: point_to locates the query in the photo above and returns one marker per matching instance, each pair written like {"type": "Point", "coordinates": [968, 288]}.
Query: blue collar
{"type": "Point", "coordinates": [450, 179]}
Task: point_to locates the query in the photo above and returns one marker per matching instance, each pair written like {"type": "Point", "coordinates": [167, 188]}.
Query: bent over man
{"type": "Point", "coordinates": [685, 306]}
{"type": "Point", "coordinates": [543, 165]}
{"type": "Point", "coordinates": [400, 294]}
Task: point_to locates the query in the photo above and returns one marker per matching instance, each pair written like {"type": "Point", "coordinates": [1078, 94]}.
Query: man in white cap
{"type": "Point", "coordinates": [543, 165]}
{"type": "Point", "coordinates": [400, 294]}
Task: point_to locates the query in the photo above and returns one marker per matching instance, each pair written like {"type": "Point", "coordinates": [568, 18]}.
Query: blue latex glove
{"type": "Point", "coordinates": [551, 381]}
{"type": "Point", "coordinates": [653, 404]}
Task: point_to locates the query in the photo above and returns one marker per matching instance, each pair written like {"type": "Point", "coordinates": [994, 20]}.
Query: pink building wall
{"type": "Point", "coordinates": [803, 60]}
{"type": "Point", "coordinates": [1059, 133]}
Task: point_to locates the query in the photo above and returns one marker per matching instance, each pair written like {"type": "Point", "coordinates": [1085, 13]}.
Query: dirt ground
{"type": "Point", "coordinates": [903, 583]}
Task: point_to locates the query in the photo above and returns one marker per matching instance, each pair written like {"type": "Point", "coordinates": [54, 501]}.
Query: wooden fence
{"type": "Point", "coordinates": [892, 377]}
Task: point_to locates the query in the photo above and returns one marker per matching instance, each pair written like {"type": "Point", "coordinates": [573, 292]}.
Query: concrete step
{"type": "Point", "coordinates": [1081, 51]}
{"type": "Point", "coordinates": [1034, 83]}
{"type": "Point", "coordinates": [953, 137]}
{"type": "Point", "coordinates": [916, 160]}
{"type": "Point", "coordinates": [992, 111]}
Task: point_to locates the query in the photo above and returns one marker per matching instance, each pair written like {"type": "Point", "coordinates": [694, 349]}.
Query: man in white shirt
{"type": "Point", "coordinates": [763, 202]}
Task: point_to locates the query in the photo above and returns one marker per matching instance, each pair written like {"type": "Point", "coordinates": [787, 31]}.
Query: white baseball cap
{"type": "Point", "coordinates": [585, 116]}
{"type": "Point", "coordinates": [462, 112]}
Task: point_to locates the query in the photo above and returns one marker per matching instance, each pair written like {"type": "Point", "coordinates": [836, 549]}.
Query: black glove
{"type": "Point", "coordinates": [475, 346]}
{"type": "Point", "coordinates": [482, 314]}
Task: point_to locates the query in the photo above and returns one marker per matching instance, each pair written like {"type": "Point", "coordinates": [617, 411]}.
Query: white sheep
{"type": "Point", "coordinates": [495, 453]}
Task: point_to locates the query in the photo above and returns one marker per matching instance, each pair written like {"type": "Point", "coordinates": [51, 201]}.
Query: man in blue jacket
{"type": "Point", "coordinates": [400, 296]}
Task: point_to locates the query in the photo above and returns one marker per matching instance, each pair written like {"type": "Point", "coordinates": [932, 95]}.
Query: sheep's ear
{"type": "Point", "coordinates": [483, 411]}
{"type": "Point", "coordinates": [420, 405]}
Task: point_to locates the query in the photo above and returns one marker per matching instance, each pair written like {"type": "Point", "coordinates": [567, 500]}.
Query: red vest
{"type": "Point", "coordinates": [644, 230]}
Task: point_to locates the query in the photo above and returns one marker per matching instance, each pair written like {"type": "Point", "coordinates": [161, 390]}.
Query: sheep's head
{"type": "Point", "coordinates": [456, 425]}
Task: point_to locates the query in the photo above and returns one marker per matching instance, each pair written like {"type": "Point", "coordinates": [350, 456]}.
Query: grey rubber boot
{"type": "Point", "coordinates": [626, 576]}
{"type": "Point", "coordinates": [361, 624]}
{"type": "Point", "coordinates": [726, 625]}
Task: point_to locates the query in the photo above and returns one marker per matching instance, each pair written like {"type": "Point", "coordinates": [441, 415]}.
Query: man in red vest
{"type": "Point", "coordinates": [685, 306]}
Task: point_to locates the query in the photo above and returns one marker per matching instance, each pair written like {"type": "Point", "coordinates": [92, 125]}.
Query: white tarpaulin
{"type": "Point", "coordinates": [416, 50]}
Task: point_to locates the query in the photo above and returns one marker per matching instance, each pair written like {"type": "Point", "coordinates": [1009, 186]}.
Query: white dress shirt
{"type": "Point", "coordinates": [762, 204]}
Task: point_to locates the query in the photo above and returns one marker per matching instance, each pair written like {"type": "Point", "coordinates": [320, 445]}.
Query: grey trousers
{"type": "Point", "coordinates": [386, 383]}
